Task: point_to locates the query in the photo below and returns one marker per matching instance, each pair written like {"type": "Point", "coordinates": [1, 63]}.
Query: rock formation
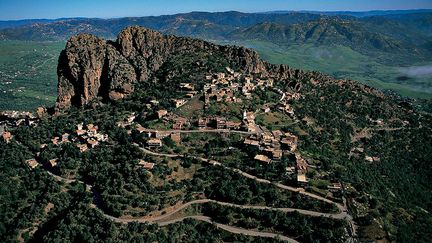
{"type": "Point", "coordinates": [90, 67]}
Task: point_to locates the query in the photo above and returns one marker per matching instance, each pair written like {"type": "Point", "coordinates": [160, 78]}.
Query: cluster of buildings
{"type": "Point", "coordinates": [84, 137]}
{"type": "Point", "coordinates": [284, 105]}
{"type": "Point", "coordinates": [11, 119]}
{"type": "Point", "coordinates": [212, 92]}
{"type": "Point", "coordinates": [145, 164]}
{"type": "Point", "coordinates": [89, 137]}
{"type": "Point", "coordinates": [249, 122]}
{"type": "Point", "coordinates": [232, 87]}
{"type": "Point", "coordinates": [358, 153]}
{"type": "Point", "coordinates": [272, 145]}
{"type": "Point", "coordinates": [18, 118]}
{"type": "Point", "coordinates": [227, 87]}
{"type": "Point", "coordinates": [18, 114]}
{"type": "Point", "coordinates": [215, 122]}
{"type": "Point", "coordinates": [218, 123]}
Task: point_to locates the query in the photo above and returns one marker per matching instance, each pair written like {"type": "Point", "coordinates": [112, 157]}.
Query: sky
{"type": "Point", "coordinates": [31, 9]}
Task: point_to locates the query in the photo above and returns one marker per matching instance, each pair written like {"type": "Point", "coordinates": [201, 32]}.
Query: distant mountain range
{"type": "Point", "coordinates": [362, 13]}
{"type": "Point", "coordinates": [23, 22]}
{"type": "Point", "coordinates": [392, 38]}
{"type": "Point", "coordinates": [220, 24]}
{"type": "Point", "coordinates": [194, 23]}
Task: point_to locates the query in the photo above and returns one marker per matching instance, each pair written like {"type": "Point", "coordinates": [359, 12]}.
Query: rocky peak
{"type": "Point", "coordinates": [90, 67]}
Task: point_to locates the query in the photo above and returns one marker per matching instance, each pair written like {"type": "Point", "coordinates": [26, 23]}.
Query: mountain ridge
{"type": "Point", "coordinates": [90, 67]}
{"type": "Point", "coordinates": [109, 28]}
{"type": "Point", "coordinates": [393, 30]}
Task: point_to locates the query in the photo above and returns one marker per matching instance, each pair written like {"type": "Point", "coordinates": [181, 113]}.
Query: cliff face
{"type": "Point", "coordinates": [90, 67]}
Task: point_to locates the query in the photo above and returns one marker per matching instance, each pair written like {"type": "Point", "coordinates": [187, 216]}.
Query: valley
{"type": "Point", "coordinates": [28, 77]}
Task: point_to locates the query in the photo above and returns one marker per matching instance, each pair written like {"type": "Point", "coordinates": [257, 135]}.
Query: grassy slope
{"type": "Point", "coordinates": [31, 68]}
{"type": "Point", "coordinates": [342, 62]}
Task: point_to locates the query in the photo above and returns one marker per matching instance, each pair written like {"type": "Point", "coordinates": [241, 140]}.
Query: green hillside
{"type": "Point", "coordinates": [339, 32]}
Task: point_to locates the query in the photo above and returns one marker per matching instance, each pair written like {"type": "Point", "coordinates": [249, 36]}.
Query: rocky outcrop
{"type": "Point", "coordinates": [91, 68]}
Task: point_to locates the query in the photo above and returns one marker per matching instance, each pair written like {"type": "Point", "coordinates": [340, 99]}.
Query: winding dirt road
{"type": "Point", "coordinates": [201, 131]}
{"type": "Point", "coordinates": [343, 214]}
{"type": "Point", "coordinates": [341, 207]}
{"type": "Point", "coordinates": [232, 229]}
{"type": "Point", "coordinates": [161, 219]}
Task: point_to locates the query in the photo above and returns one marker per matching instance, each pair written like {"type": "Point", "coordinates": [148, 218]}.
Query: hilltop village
{"type": "Point", "coordinates": [264, 142]}
{"type": "Point", "coordinates": [269, 146]}
{"type": "Point", "coordinates": [230, 87]}
{"type": "Point", "coordinates": [167, 129]}
{"type": "Point", "coordinates": [161, 138]}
